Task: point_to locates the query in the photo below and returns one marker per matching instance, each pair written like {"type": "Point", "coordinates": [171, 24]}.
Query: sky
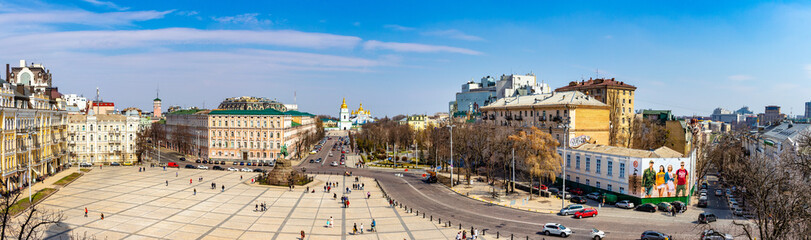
{"type": "Point", "coordinates": [411, 57]}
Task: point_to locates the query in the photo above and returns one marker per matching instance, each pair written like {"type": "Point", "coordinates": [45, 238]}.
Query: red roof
{"type": "Point", "coordinates": [103, 104]}
{"type": "Point", "coordinates": [611, 83]}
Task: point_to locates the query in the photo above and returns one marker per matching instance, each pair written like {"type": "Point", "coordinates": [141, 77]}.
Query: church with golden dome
{"type": "Point", "coordinates": [356, 118]}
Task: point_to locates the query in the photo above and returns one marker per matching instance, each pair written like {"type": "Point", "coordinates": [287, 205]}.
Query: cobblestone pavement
{"type": "Point", "coordinates": [139, 205]}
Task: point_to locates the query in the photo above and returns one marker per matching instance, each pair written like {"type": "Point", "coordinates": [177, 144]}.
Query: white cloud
{"type": "Point", "coordinates": [453, 34]}
{"type": "Point", "coordinates": [106, 4]}
{"type": "Point", "coordinates": [740, 77]}
{"type": "Point", "coordinates": [247, 18]}
{"type": "Point", "coordinates": [398, 27]}
{"type": "Point", "coordinates": [79, 17]}
{"type": "Point", "coordinates": [105, 40]}
{"type": "Point", "coordinates": [415, 47]}
{"type": "Point", "coordinates": [187, 13]}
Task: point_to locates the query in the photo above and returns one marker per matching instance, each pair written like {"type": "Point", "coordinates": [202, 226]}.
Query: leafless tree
{"type": "Point", "coordinates": [646, 134]}
{"type": "Point", "coordinates": [29, 223]}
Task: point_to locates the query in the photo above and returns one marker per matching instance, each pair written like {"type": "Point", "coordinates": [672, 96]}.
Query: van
{"type": "Point", "coordinates": [571, 209]}
{"type": "Point", "coordinates": [172, 164]}
{"type": "Point", "coordinates": [706, 217]}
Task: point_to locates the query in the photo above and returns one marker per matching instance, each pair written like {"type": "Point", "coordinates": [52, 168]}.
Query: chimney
{"type": "Point", "coordinates": [22, 63]}
{"type": "Point", "coordinates": [8, 73]}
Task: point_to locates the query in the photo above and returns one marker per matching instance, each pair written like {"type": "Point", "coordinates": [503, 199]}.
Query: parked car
{"type": "Point", "coordinates": [706, 217]}
{"type": "Point", "coordinates": [247, 170]}
{"type": "Point", "coordinates": [711, 234]}
{"type": "Point", "coordinates": [258, 170]}
{"type": "Point", "coordinates": [738, 211]}
{"type": "Point", "coordinates": [571, 209]}
{"type": "Point", "coordinates": [236, 163]}
{"type": "Point", "coordinates": [116, 164]}
{"type": "Point", "coordinates": [205, 161]}
{"type": "Point", "coordinates": [679, 206]}
{"type": "Point", "coordinates": [85, 164]}
{"type": "Point", "coordinates": [198, 161]}
{"type": "Point", "coordinates": [217, 168]}
{"type": "Point", "coordinates": [567, 195]}
{"type": "Point", "coordinates": [578, 199]}
{"type": "Point", "coordinates": [183, 159]}
{"type": "Point", "coordinates": [625, 204]}
{"type": "Point", "coordinates": [702, 202]}
{"type": "Point", "coordinates": [334, 164]}
{"type": "Point", "coordinates": [586, 212]}
{"type": "Point", "coordinates": [556, 229]}
{"type": "Point", "coordinates": [719, 193]}
{"type": "Point", "coordinates": [216, 162]}
{"type": "Point", "coordinates": [538, 187]}
{"type": "Point", "coordinates": [577, 191]}
{"type": "Point", "coordinates": [202, 167]}
{"type": "Point", "coordinates": [312, 160]}
{"type": "Point", "coordinates": [222, 163]}
{"type": "Point", "coordinates": [593, 196]}
{"type": "Point", "coordinates": [554, 191]}
{"type": "Point", "coordinates": [654, 235]}
{"type": "Point", "coordinates": [664, 207]}
{"type": "Point", "coordinates": [190, 166]}
{"type": "Point", "coordinates": [172, 164]}
{"type": "Point", "coordinates": [647, 207]}
{"type": "Point", "coordinates": [596, 234]}
{"type": "Point", "coordinates": [242, 163]}
{"type": "Point", "coordinates": [233, 169]}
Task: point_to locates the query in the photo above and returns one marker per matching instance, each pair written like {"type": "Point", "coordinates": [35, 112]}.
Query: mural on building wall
{"type": "Point", "coordinates": [660, 177]}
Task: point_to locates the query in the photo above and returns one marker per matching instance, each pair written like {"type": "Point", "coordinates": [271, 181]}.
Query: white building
{"type": "Point", "coordinates": [102, 138]}
{"type": "Point", "coordinates": [777, 138]}
{"type": "Point", "coordinates": [361, 116]}
{"type": "Point", "coordinates": [76, 100]}
{"type": "Point", "coordinates": [344, 123]}
{"type": "Point", "coordinates": [512, 85]}
{"type": "Point", "coordinates": [479, 94]}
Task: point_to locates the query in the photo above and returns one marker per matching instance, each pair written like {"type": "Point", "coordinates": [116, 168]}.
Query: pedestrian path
{"type": "Point", "coordinates": [139, 205]}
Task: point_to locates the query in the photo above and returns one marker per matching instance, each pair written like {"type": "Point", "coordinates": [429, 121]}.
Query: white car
{"type": "Point", "coordinates": [334, 164]}
{"type": "Point", "coordinates": [625, 204]}
{"type": "Point", "coordinates": [233, 169]}
{"type": "Point", "coordinates": [593, 196]}
{"type": "Point", "coordinates": [556, 229]}
{"type": "Point", "coordinates": [719, 193]}
{"type": "Point", "coordinates": [596, 234]}
{"type": "Point", "coordinates": [202, 167]}
{"type": "Point", "coordinates": [247, 170]}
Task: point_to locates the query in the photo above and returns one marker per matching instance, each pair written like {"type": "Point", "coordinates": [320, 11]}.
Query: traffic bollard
{"type": "Point", "coordinates": [460, 226]}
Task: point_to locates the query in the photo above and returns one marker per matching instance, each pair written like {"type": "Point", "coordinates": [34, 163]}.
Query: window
{"type": "Point", "coordinates": [588, 182]}
{"type": "Point", "coordinates": [577, 162]}
{"type": "Point", "coordinates": [577, 179]}
{"type": "Point", "coordinates": [610, 168]}
{"type": "Point", "coordinates": [609, 187]}
{"type": "Point", "coordinates": [588, 164]}
{"type": "Point", "coordinates": [622, 190]}
{"type": "Point", "coordinates": [598, 184]}
{"type": "Point", "coordinates": [568, 177]}
{"type": "Point", "coordinates": [622, 170]}
{"type": "Point", "coordinates": [568, 160]}
{"type": "Point", "coordinates": [597, 169]}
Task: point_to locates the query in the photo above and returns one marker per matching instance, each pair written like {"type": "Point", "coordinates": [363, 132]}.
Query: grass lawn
{"type": "Point", "coordinates": [23, 204]}
{"type": "Point", "coordinates": [86, 169]}
{"type": "Point", "coordinates": [69, 178]}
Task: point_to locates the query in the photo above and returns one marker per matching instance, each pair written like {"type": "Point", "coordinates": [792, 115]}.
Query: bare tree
{"type": "Point", "coordinates": [538, 152]}
{"type": "Point", "coordinates": [646, 134]}
{"type": "Point", "coordinates": [143, 142]}
{"type": "Point", "coordinates": [28, 224]}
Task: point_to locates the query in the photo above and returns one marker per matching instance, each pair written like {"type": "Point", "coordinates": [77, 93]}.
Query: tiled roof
{"type": "Point", "coordinates": [550, 99]}
{"type": "Point", "coordinates": [596, 83]}
{"type": "Point", "coordinates": [662, 152]}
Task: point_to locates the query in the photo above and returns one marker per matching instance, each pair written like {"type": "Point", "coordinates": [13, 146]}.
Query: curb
{"type": "Point", "coordinates": [498, 204]}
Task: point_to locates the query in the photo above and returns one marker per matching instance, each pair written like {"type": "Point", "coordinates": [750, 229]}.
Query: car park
{"type": "Point", "coordinates": [711, 234]}
{"type": "Point", "coordinates": [664, 207]}
{"type": "Point", "coordinates": [654, 235]}
{"type": "Point", "coordinates": [217, 168]}
{"type": "Point", "coordinates": [202, 167]}
{"type": "Point", "coordinates": [586, 212]}
{"type": "Point", "coordinates": [593, 196]}
{"type": "Point", "coordinates": [647, 207]}
{"type": "Point", "coordinates": [578, 199]}
{"type": "Point", "coordinates": [247, 170]}
{"type": "Point", "coordinates": [571, 209]}
{"type": "Point", "coordinates": [115, 164]}
{"type": "Point", "coordinates": [556, 229]}
{"type": "Point", "coordinates": [706, 217]}
{"type": "Point", "coordinates": [233, 169]}
{"type": "Point", "coordinates": [190, 166]}
{"type": "Point", "coordinates": [596, 234]}
{"type": "Point", "coordinates": [625, 204]}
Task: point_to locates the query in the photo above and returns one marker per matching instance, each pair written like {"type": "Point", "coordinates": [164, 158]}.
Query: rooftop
{"type": "Point", "coordinates": [267, 111]}
{"type": "Point", "coordinates": [599, 82]}
{"type": "Point", "coordinates": [550, 99]}
{"type": "Point", "coordinates": [786, 130]}
{"type": "Point", "coordinates": [662, 152]}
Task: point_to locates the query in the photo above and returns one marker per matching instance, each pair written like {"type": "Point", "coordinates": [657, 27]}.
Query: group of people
{"type": "Point", "coordinates": [141, 169]}
{"type": "Point", "coordinates": [261, 207]}
{"type": "Point", "coordinates": [214, 186]}
{"type": "Point", "coordinates": [345, 201]}
{"type": "Point", "coordinates": [462, 235]}
{"type": "Point", "coordinates": [329, 185]}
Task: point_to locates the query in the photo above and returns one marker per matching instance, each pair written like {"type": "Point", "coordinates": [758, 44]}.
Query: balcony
{"type": "Point", "coordinates": [519, 118]}
{"type": "Point", "coordinates": [508, 117]}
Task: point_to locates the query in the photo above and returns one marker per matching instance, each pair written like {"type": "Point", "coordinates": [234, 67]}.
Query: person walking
{"type": "Point", "coordinates": [195, 191]}
{"type": "Point", "coordinates": [372, 228]}
{"type": "Point", "coordinates": [223, 188]}
{"type": "Point", "coordinates": [167, 183]}
{"type": "Point", "coordinates": [475, 233]}
{"type": "Point", "coordinates": [190, 181]}
{"type": "Point", "coordinates": [361, 228]}
{"type": "Point", "coordinates": [330, 221]}
{"type": "Point", "coordinates": [302, 234]}
{"type": "Point", "coordinates": [355, 229]}
{"type": "Point", "coordinates": [458, 235]}
{"type": "Point", "coordinates": [85, 212]}
{"type": "Point", "coordinates": [256, 208]}
{"type": "Point", "coordinates": [102, 216]}
{"type": "Point", "coordinates": [240, 177]}
{"type": "Point", "coordinates": [368, 195]}
{"type": "Point", "coordinates": [464, 234]}
{"type": "Point", "coordinates": [175, 174]}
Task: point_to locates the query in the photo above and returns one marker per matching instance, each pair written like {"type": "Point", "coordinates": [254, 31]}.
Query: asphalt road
{"type": "Point", "coordinates": [440, 202]}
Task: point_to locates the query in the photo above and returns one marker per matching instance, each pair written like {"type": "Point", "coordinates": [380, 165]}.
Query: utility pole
{"type": "Point", "coordinates": [565, 158]}
{"type": "Point", "coordinates": [30, 148]}
{"type": "Point", "coordinates": [451, 168]}
{"type": "Point", "coordinates": [513, 173]}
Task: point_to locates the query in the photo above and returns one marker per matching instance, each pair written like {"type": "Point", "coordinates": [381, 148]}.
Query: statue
{"type": "Point", "coordinates": [282, 173]}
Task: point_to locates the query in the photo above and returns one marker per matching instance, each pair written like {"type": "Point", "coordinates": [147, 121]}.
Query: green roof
{"type": "Point", "coordinates": [157, 99]}
{"type": "Point", "coordinates": [186, 111]}
{"type": "Point", "coordinates": [295, 124]}
{"type": "Point", "coordinates": [268, 111]}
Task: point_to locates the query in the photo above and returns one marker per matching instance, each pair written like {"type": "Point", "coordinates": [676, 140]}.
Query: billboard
{"type": "Point", "coordinates": [660, 177]}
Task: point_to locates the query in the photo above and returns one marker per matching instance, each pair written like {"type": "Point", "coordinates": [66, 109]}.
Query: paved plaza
{"type": "Point", "coordinates": [139, 205]}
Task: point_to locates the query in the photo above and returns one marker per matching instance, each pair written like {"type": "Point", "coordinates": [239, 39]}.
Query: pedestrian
{"type": "Point", "coordinates": [325, 188]}
{"type": "Point", "coordinates": [458, 235]}
{"type": "Point", "coordinates": [362, 186]}
{"type": "Point", "coordinates": [308, 189]}
{"type": "Point", "coordinates": [328, 188]}
{"type": "Point", "coordinates": [240, 177]}
{"type": "Point", "coordinates": [175, 174]}
{"type": "Point", "coordinates": [167, 183]}
{"type": "Point", "coordinates": [347, 202]}
{"type": "Point", "coordinates": [368, 195]}
{"type": "Point", "coordinates": [102, 216]}
{"type": "Point", "coordinates": [302, 234]}
{"type": "Point", "coordinates": [355, 229]}
{"type": "Point", "coordinates": [475, 233]}
{"type": "Point", "coordinates": [189, 181]}
{"type": "Point", "coordinates": [195, 191]}
{"type": "Point", "coordinates": [85, 212]}
{"type": "Point", "coordinates": [464, 234]}
{"type": "Point", "coordinates": [330, 221]}
{"type": "Point", "coordinates": [223, 188]}
{"type": "Point", "coordinates": [372, 228]}
{"type": "Point", "coordinates": [361, 228]}
{"type": "Point", "coordinates": [164, 168]}
{"type": "Point", "coordinates": [335, 196]}
{"type": "Point", "coordinates": [256, 208]}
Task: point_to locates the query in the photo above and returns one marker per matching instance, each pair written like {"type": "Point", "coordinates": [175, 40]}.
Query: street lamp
{"type": "Point", "coordinates": [30, 148]}
{"type": "Point", "coordinates": [565, 125]}
{"type": "Point", "coordinates": [451, 146]}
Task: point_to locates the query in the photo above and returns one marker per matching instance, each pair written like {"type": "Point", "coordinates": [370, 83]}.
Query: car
{"type": "Point", "coordinates": [116, 164]}
{"type": "Point", "coordinates": [205, 162]}
{"type": "Point", "coordinates": [702, 191]}
{"type": "Point", "coordinates": [679, 206]}
{"type": "Point", "coordinates": [236, 163]}
{"type": "Point", "coordinates": [625, 204]}
{"type": "Point", "coordinates": [318, 160]}
{"type": "Point", "coordinates": [719, 193]}
{"type": "Point", "coordinates": [248, 163]}
{"type": "Point", "coordinates": [342, 162]}
{"type": "Point", "coordinates": [258, 170]}
{"type": "Point", "coordinates": [161, 164]}
{"type": "Point", "coordinates": [312, 160]}
{"type": "Point", "coordinates": [128, 163]}
{"type": "Point", "coordinates": [247, 170]}
{"type": "Point", "coordinates": [202, 167]}
{"type": "Point", "coordinates": [737, 211]}
{"type": "Point", "coordinates": [571, 209]}
{"type": "Point", "coordinates": [85, 164]}
{"type": "Point", "coordinates": [540, 187]}
{"type": "Point", "coordinates": [217, 168]}
{"type": "Point", "coordinates": [266, 164]}
{"type": "Point", "coordinates": [577, 191]}
{"type": "Point", "coordinates": [190, 166]}
{"type": "Point", "coordinates": [647, 207]}
{"type": "Point", "coordinates": [233, 169]}
{"type": "Point", "coordinates": [593, 196]}
{"type": "Point", "coordinates": [222, 163]}
{"type": "Point", "coordinates": [578, 199]}
{"type": "Point", "coordinates": [334, 164]}
{"type": "Point", "coordinates": [556, 229]}
{"type": "Point", "coordinates": [198, 161]}
{"type": "Point", "coordinates": [172, 164]}
{"type": "Point", "coordinates": [216, 162]}
{"type": "Point", "coordinates": [242, 163]}
{"type": "Point", "coordinates": [706, 217]}
{"type": "Point", "coordinates": [711, 234]}
{"type": "Point", "coordinates": [700, 195]}
{"type": "Point", "coordinates": [567, 195]}
{"type": "Point", "coordinates": [654, 235]}
{"type": "Point", "coordinates": [182, 159]}
{"type": "Point", "coordinates": [664, 207]}
{"type": "Point", "coordinates": [702, 202]}
{"type": "Point", "coordinates": [554, 191]}
{"type": "Point", "coordinates": [586, 212]}
{"type": "Point", "coordinates": [596, 234]}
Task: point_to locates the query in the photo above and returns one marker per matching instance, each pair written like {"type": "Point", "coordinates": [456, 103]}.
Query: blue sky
{"type": "Point", "coordinates": [412, 56]}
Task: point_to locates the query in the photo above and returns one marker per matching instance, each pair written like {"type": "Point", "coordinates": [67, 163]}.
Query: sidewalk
{"type": "Point", "coordinates": [49, 181]}
{"type": "Point", "coordinates": [519, 200]}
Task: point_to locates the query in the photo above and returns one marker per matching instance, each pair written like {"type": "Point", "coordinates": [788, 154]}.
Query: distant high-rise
{"type": "Point", "coordinates": [808, 109]}
{"type": "Point", "coordinates": [772, 115]}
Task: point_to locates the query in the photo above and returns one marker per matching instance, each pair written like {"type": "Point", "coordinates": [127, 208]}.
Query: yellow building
{"type": "Point", "coordinates": [587, 117]}
{"type": "Point", "coordinates": [618, 95]}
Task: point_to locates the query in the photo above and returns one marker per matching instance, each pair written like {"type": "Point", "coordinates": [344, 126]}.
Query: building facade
{"type": "Point", "coordinates": [75, 100]}
{"type": "Point", "coordinates": [618, 95]}
{"type": "Point", "coordinates": [187, 131]}
{"type": "Point", "coordinates": [156, 108]}
{"type": "Point", "coordinates": [361, 116]}
{"type": "Point", "coordinates": [587, 117]}
{"type": "Point", "coordinates": [34, 126]}
{"type": "Point", "coordinates": [808, 110]}
{"type": "Point", "coordinates": [102, 138]}
{"type": "Point", "coordinates": [479, 94]}
{"type": "Point", "coordinates": [770, 116]}
{"type": "Point", "coordinates": [343, 117]}
{"type": "Point", "coordinates": [775, 139]}
{"type": "Point", "coordinates": [251, 103]}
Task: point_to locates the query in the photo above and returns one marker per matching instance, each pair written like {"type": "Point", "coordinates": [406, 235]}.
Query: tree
{"type": "Point", "coordinates": [617, 134]}
{"type": "Point", "coordinates": [28, 224]}
{"type": "Point", "coordinates": [538, 153]}
{"type": "Point", "coordinates": [646, 134]}
{"type": "Point", "coordinates": [143, 142]}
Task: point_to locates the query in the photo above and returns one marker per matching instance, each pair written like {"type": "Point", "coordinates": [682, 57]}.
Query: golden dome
{"type": "Point", "coordinates": [343, 105]}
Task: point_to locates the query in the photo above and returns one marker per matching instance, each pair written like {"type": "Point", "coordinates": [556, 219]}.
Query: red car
{"type": "Point", "coordinates": [577, 191]}
{"type": "Point", "coordinates": [541, 187]}
{"type": "Point", "coordinates": [172, 164]}
{"type": "Point", "coordinates": [586, 212]}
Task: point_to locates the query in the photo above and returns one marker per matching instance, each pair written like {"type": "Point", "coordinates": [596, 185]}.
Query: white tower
{"type": "Point", "coordinates": [344, 123]}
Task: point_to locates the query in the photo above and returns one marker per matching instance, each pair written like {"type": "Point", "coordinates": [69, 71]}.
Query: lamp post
{"type": "Point", "coordinates": [30, 148]}
{"type": "Point", "coordinates": [565, 126]}
{"type": "Point", "coordinates": [451, 146]}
